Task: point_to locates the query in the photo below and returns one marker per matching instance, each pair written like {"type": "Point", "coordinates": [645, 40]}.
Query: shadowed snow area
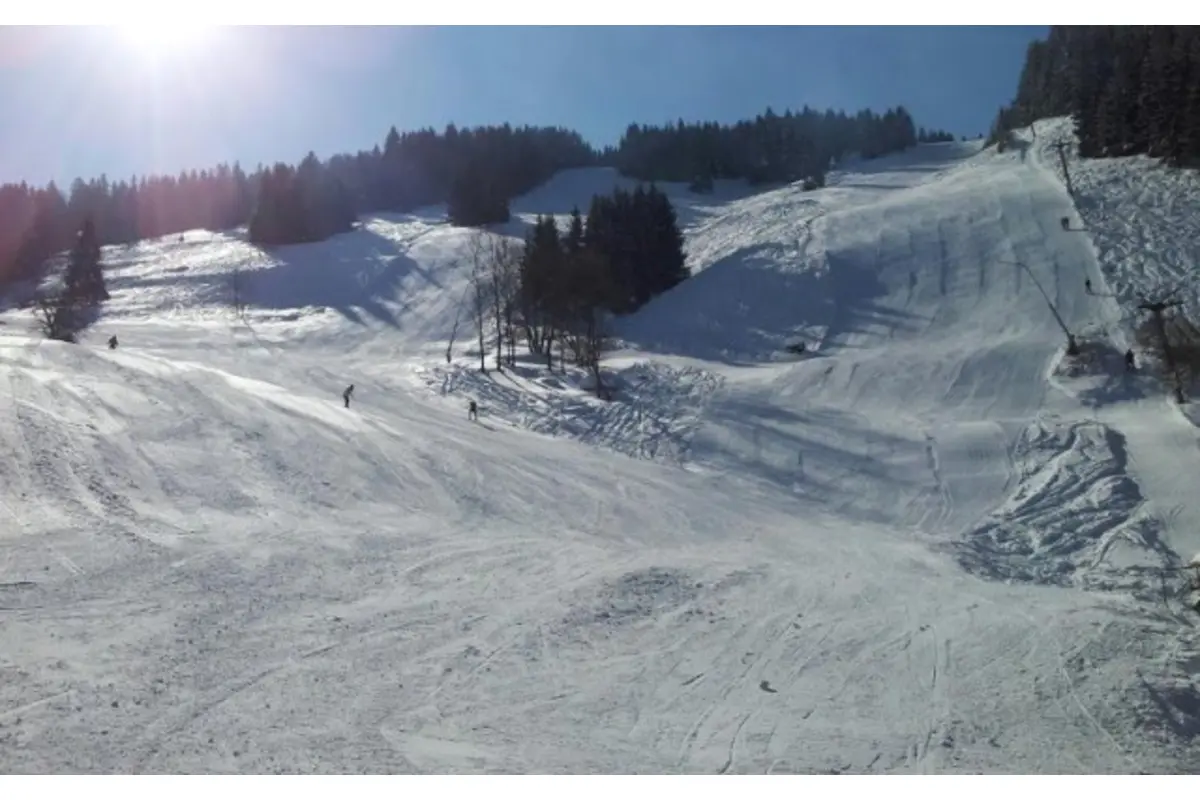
{"type": "Point", "coordinates": [930, 544]}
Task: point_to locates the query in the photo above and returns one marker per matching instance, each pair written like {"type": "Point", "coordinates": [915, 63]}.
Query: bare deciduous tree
{"type": "Point", "coordinates": [584, 312]}
{"type": "Point", "coordinates": [56, 317]}
{"type": "Point", "coordinates": [598, 292]}
{"type": "Point", "coordinates": [481, 288]}
{"type": "Point", "coordinates": [454, 330]}
{"type": "Point", "coordinates": [1186, 336]}
{"type": "Point", "coordinates": [503, 267]}
{"type": "Point", "coordinates": [1174, 340]}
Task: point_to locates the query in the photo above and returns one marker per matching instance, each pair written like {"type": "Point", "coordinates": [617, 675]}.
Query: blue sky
{"type": "Point", "coordinates": [86, 101]}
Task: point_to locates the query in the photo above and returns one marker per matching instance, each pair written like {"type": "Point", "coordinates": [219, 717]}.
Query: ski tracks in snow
{"type": "Point", "coordinates": [654, 414]}
{"type": "Point", "coordinates": [1072, 497]}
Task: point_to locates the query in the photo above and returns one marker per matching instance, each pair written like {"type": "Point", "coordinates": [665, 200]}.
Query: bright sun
{"type": "Point", "coordinates": [160, 38]}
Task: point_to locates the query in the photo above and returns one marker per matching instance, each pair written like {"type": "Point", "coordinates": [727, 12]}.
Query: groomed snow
{"type": "Point", "coordinates": [930, 545]}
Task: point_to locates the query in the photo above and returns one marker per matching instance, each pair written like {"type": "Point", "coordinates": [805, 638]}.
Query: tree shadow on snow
{"type": "Point", "coordinates": [748, 307]}
{"type": "Point", "coordinates": [352, 273]}
{"type": "Point", "coordinates": [921, 158]}
{"type": "Point", "coordinates": [823, 453]}
{"type": "Point", "coordinates": [1100, 370]}
{"type": "Point", "coordinates": [211, 288]}
{"type": "Point", "coordinates": [1178, 707]}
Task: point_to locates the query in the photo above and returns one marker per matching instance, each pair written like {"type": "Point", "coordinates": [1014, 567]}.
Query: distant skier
{"type": "Point", "coordinates": [1129, 365]}
{"type": "Point", "coordinates": [1066, 223]}
{"type": "Point", "coordinates": [112, 342]}
{"type": "Point", "coordinates": [1087, 285]}
{"type": "Point", "coordinates": [346, 394]}
{"type": "Point", "coordinates": [472, 411]}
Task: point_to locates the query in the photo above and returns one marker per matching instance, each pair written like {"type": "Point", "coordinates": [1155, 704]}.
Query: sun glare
{"type": "Point", "coordinates": [159, 38]}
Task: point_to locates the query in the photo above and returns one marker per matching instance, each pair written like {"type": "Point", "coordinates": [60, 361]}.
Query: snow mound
{"type": "Point", "coordinates": [1075, 514]}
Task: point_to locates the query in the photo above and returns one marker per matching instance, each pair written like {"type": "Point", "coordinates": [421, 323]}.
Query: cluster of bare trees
{"type": "Point", "coordinates": [491, 296]}
{"type": "Point", "coordinates": [515, 295]}
{"type": "Point", "coordinates": [495, 282]}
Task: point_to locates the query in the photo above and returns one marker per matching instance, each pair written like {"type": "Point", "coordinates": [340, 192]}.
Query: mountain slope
{"type": "Point", "coordinates": [922, 548]}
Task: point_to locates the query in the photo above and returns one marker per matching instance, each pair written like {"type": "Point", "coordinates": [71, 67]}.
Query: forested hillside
{"type": "Point", "coordinates": [1131, 89]}
{"type": "Point", "coordinates": [475, 170]}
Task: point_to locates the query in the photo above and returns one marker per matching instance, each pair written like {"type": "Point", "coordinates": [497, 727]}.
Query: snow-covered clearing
{"type": "Point", "coordinates": [929, 545]}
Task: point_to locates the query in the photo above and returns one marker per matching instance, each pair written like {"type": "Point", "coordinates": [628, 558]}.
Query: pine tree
{"type": "Point", "coordinates": [667, 260]}
{"type": "Point", "coordinates": [323, 206]}
{"type": "Point", "coordinates": [1161, 85]}
{"type": "Point", "coordinates": [1110, 131]}
{"type": "Point", "coordinates": [1129, 88]}
{"type": "Point", "coordinates": [540, 281]}
{"type": "Point", "coordinates": [477, 198]}
{"type": "Point", "coordinates": [84, 280]}
{"type": "Point", "coordinates": [276, 218]}
{"type": "Point", "coordinates": [574, 240]}
{"type": "Point", "coordinates": [636, 236]}
{"type": "Point", "coordinates": [1188, 110]}
{"type": "Point", "coordinates": [1090, 73]}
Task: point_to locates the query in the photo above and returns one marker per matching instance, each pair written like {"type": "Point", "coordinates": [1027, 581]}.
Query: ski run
{"type": "Point", "coordinates": [929, 544]}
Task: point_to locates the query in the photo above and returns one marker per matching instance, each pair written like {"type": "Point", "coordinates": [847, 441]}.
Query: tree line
{"type": "Point", "coordinates": [933, 136]}
{"type": "Point", "coordinates": [305, 204]}
{"type": "Point", "coordinates": [1132, 89]}
{"type": "Point", "coordinates": [474, 171]}
{"type": "Point", "coordinates": [281, 203]}
{"type": "Point", "coordinates": [36, 223]}
{"type": "Point", "coordinates": [770, 148]}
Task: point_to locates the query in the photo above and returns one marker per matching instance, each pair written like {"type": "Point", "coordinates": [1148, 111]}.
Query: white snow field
{"type": "Point", "coordinates": [931, 545]}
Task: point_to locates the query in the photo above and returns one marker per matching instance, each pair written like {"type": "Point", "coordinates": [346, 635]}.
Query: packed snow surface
{"type": "Point", "coordinates": [931, 544]}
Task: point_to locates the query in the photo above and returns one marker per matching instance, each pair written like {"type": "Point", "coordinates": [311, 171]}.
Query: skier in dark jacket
{"type": "Point", "coordinates": [472, 411]}
{"type": "Point", "coordinates": [346, 394]}
{"type": "Point", "coordinates": [112, 342]}
{"type": "Point", "coordinates": [1088, 285]}
{"type": "Point", "coordinates": [1129, 360]}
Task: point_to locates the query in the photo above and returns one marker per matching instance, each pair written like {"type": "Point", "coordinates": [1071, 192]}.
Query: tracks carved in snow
{"type": "Point", "coordinates": [1072, 496]}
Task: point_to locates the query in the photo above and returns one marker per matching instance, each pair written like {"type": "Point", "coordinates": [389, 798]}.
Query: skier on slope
{"type": "Point", "coordinates": [1129, 366]}
{"type": "Point", "coordinates": [346, 394]}
{"type": "Point", "coordinates": [112, 342]}
{"type": "Point", "coordinates": [472, 411]}
{"type": "Point", "coordinates": [1087, 285]}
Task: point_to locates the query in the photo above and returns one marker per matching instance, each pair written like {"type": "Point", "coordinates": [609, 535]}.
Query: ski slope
{"type": "Point", "coordinates": [930, 545]}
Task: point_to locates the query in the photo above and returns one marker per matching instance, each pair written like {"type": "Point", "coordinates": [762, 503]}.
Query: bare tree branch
{"type": "Point", "coordinates": [503, 266]}
{"type": "Point", "coordinates": [481, 286]}
{"type": "Point", "coordinates": [56, 316]}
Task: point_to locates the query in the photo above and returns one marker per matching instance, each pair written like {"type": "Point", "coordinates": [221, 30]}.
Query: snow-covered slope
{"type": "Point", "coordinates": [930, 545]}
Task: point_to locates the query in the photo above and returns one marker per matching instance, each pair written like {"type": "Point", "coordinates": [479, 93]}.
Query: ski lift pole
{"type": "Point", "coordinates": [1071, 346]}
